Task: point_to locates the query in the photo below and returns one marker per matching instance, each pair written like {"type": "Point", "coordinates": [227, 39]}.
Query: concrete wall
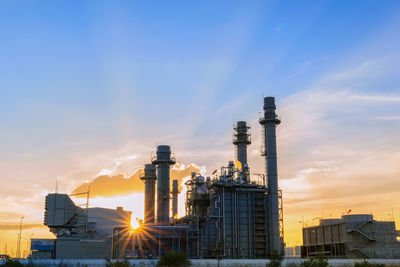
{"type": "Point", "coordinates": [200, 263]}
{"type": "Point", "coordinates": [373, 239]}
{"type": "Point", "coordinates": [84, 249]}
{"type": "Point", "coordinates": [353, 237]}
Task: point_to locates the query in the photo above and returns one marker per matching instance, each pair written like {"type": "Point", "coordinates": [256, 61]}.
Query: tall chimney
{"type": "Point", "coordinates": [269, 122]}
{"type": "Point", "coordinates": [163, 162]}
{"type": "Point", "coordinates": [241, 139]}
{"type": "Point", "coordinates": [175, 192]}
{"type": "Point", "coordinates": [149, 179]}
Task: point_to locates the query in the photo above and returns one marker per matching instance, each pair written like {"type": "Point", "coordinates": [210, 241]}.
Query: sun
{"type": "Point", "coordinates": [135, 223]}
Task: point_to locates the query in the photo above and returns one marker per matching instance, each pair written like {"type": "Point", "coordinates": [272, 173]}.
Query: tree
{"type": "Point", "coordinates": [173, 259]}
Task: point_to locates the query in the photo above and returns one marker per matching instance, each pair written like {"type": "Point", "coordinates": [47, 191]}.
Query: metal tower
{"type": "Point", "coordinates": [175, 192]}
{"type": "Point", "coordinates": [241, 139]}
{"type": "Point", "coordinates": [269, 122]}
{"type": "Point", "coordinates": [163, 160]}
{"type": "Point", "coordinates": [149, 179]}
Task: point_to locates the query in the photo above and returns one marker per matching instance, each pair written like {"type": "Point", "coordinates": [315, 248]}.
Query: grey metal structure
{"type": "Point", "coordinates": [227, 216]}
{"type": "Point", "coordinates": [352, 236]}
{"type": "Point", "coordinates": [231, 215]}
{"type": "Point", "coordinates": [81, 233]}
{"type": "Point", "coordinates": [241, 139]}
{"type": "Point", "coordinates": [269, 122]}
{"type": "Point", "coordinates": [63, 217]}
{"type": "Point", "coordinates": [175, 192]}
{"type": "Point", "coordinates": [149, 177]}
{"type": "Point", "coordinates": [163, 161]}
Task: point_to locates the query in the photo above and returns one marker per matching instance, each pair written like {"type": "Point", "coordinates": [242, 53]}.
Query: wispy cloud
{"type": "Point", "coordinates": [387, 118]}
{"type": "Point", "coordinates": [8, 227]}
{"type": "Point", "coordinates": [335, 150]}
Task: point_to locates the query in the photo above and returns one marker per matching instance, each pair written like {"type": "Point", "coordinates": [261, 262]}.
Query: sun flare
{"type": "Point", "coordinates": [135, 223]}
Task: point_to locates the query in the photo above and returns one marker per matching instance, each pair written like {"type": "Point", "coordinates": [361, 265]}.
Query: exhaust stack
{"type": "Point", "coordinates": [175, 192]}
{"type": "Point", "coordinates": [269, 122]}
{"type": "Point", "coordinates": [163, 161]}
{"type": "Point", "coordinates": [149, 179]}
{"type": "Point", "coordinates": [241, 139]}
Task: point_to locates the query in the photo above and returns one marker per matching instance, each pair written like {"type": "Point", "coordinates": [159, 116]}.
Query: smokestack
{"type": "Point", "coordinates": [175, 192]}
{"type": "Point", "coordinates": [163, 162]}
{"type": "Point", "coordinates": [149, 179]}
{"type": "Point", "coordinates": [269, 122]}
{"type": "Point", "coordinates": [241, 139]}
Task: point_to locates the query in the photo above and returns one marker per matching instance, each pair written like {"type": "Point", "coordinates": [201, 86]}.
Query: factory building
{"type": "Point", "coordinates": [352, 236]}
{"type": "Point", "coordinates": [228, 215]}
{"type": "Point", "coordinates": [81, 233]}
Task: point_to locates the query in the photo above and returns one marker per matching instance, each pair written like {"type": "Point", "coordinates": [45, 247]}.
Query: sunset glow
{"type": "Point", "coordinates": [88, 90]}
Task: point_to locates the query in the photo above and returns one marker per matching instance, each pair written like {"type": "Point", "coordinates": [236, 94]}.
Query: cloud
{"type": "Point", "coordinates": [8, 215]}
{"type": "Point", "coordinates": [338, 146]}
{"type": "Point", "coordinates": [10, 227]}
{"type": "Point", "coordinates": [117, 163]}
{"type": "Point", "coordinates": [116, 185]}
{"type": "Point", "coordinates": [388, 118]}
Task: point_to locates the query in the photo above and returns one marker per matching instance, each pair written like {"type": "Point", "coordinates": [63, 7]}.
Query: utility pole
{"type": "Point", "coordinates": [19, 239]}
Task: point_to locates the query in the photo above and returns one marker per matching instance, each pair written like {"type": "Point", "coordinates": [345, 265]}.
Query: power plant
{"type": "Point", "coordinates": [227, 215]}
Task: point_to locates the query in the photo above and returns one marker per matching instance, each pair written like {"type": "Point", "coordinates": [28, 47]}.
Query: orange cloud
{"type": "Point", "coordinates": [8, 226]}
{"type": "Point", "coordinates": [117, 185]}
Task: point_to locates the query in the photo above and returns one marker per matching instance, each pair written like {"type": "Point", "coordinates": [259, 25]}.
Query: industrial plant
{"type": "Point", "coordinates": [228, 215]}
{"type": "Point", "coordinates": [352, 236]}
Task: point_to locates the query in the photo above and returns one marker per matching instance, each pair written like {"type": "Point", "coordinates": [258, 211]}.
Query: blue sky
{"type": "Point", "coordinates": [101, 58]}
{"type": "Point", "coordinates": [83, 83]}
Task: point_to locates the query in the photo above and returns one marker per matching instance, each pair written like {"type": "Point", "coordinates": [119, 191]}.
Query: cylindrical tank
{"type": "Point", "coordinates": [175, 192]}
{"type": "Point", "coordinates": [149, 179]}
{"type": "Point", "coordinates": [163, 162]}
{"type": "Point", "coordinates": [269, 122]}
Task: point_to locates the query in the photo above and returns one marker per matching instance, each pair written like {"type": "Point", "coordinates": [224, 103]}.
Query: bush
{"type": "Point", "coordinates": [275, 260]}
{"type": "Point", "coordinates": [368, 264]}
{"type": "Point", "coordinates": [12, 263]}
{"type": "Point", "coordinates": [315, 262]}
{"type": "Point", "coordinates": [31, 264]}
{"type": "Point", "coordinates": [117, 263]}
{"type": "Point", "coordinates": [173, 259]}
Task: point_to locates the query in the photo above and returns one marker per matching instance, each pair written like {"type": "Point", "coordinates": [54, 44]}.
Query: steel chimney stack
{"type": "Point", "coordinates": [175, 192]}
{"type": "Point", "coordinates": [269, 122]}
{"type": "Point", "coordinates": [163, 161]}
{"type": "Point", "coordinates": [149, 179]}
{"type": "Point", "coordinates": [241, 139]}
